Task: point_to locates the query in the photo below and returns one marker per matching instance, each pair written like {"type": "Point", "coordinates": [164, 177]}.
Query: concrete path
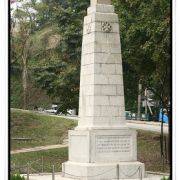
{"type": "Point", "coordinates": [39, 148]}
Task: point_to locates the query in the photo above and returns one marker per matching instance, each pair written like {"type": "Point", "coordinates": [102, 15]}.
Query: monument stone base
{"type": "Point", "coordinates": [103, 154]}
{"type": "Point", "coordinates": [103, 171]}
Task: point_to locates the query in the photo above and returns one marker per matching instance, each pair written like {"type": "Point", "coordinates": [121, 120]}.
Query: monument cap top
{"type": "Point", "coordinates": [94, 2]}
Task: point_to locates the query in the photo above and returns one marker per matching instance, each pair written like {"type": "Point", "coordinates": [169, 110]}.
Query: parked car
{"type": "Point", "coordinates": [128, 115]}
{"type": "Point", "coordinates": [153, 117]}
{"type": "Point", "coordinates": [52, 111]}
{"type": "Point", "coordinates": [134, 116]}
{"type": "Point", "coordinates": [144, 117]}
{"type": "Point", "coordinates": [71, 112]}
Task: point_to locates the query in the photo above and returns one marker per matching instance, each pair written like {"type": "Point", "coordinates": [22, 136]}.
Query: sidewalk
{"type": "Point", "coordinates": [39, 148]}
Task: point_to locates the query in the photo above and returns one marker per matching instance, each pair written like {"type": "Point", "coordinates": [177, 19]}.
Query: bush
{"type": "Point", "coordinates": [164, 178]}
{"type": "Point", "coordinates": [17, 177]}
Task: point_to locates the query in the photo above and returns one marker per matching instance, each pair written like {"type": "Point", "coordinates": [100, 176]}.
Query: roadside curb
{"type": "Point", "coordinates": [145, 122]}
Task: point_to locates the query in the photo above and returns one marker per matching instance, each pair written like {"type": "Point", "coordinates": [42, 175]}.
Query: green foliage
{"type": "Point", "coordinates": [70, 22]}
{"type": "Point", "coordinates": [16, 91]}
{"type": "Point", "coordinates": [58, 69]}
{"type": "Point", "coordinates": [145, 38]}
{"type": "Point", "coordinates": [164, 178]}
{"type": "Point", "coordinates": [21, 45]}
{"type": "Point", "coordinates": [27, 47]}
{"type": "Point", "coordinates": [17, 177]}
{"type": "Point", "coordinates": [36, 96]}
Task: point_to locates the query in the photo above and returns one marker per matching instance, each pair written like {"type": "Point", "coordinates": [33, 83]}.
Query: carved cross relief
{"type": "Point", "coordinates": [106, 27]}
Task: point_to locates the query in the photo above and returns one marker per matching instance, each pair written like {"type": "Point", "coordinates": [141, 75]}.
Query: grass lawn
{"type": "Point", "coordinates": [43, 129]}
{"type": "Point", "coordinates": [46, 130]}
{"type": "Point", "coordinates": [48, 158]}
{"type": "Point", "coordinates": [148, 150]}
{"type": "Point", "coordinates": [148, 153]}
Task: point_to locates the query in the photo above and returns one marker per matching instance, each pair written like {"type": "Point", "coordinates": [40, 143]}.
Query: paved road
{"type": "Point", "coordinates": [142, 125]}
{"type": "Point", "coordinates": [147, 126]}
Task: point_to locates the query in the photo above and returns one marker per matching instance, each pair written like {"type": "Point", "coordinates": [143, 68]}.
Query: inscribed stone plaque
{"type": "Point", "coordinates": [110, 144]}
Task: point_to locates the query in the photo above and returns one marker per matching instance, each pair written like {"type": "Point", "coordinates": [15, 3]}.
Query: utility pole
{"type": "Point", "coordinates": [27, 171]}
{"type": "Point", "coordinates": [139, 100]}
{"type": "Point", "coordinates": [145, 94]}
{"type": "Point", "coordinates": [53, 174]}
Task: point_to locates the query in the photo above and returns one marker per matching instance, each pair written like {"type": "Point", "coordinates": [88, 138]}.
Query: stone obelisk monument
{"type": "Point", "coordinates": [102, 147]}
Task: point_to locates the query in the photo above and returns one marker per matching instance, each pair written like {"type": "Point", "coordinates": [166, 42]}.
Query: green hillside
{"type": "Point", "coordinates": [41, 129]}
{"type": "Point", "coordinates": [46, 38]}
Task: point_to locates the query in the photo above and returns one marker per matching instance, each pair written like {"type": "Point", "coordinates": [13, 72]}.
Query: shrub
{"type": "Point", "coordinates": [17, 177]}
{"type": "Point", "coordinates": [164, 178]}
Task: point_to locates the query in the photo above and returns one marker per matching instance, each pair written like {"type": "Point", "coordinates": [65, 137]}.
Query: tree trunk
{"type": "Point", "coordinates": [24, 80]}
{"type": "Point", "coordinates": [139, 100]}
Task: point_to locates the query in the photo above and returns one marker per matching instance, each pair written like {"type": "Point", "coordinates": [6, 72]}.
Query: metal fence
{"type": "Point", "coordinates": [28, 171]}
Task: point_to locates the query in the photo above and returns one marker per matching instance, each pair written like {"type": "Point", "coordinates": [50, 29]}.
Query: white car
{"type": "Point", "coordinates": [71, 112]}
{"type": "Point", "coordinates": [52, 111]}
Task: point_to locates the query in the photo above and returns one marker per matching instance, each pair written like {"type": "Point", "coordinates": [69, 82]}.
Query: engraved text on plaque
{"type": "Point", "coordinates": [113, 144]}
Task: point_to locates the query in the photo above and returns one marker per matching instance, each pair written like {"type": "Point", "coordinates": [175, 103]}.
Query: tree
{"type": "Point", "coordinates": [145, 37]}
{"type": "Point", "coordinates": [24, 26]}
{"type": "Point", "coordinates": [70, 23]}
{"type": "Point", "coordinates": [20, 46]}
{"type": "Point", "coordinates": [60, 67]}
{"type": "Point", "coordinates": [142, 37]}
{"type": "Point", "coordinates": [146, 48]}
